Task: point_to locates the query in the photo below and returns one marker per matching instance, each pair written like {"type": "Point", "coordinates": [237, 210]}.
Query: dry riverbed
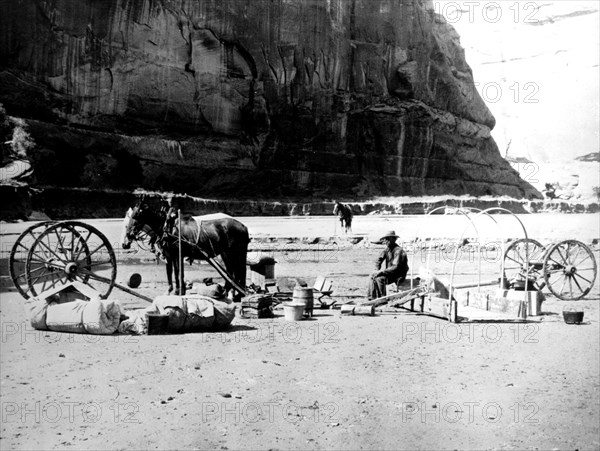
{"type": "Point", "coordinates": [398, 380]}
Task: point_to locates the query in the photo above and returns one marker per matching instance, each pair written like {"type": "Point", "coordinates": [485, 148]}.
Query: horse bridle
{"type": "Point", "coordinates": [137, 232]}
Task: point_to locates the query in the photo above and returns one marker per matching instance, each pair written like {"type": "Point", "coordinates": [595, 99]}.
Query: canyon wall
{"type": "Point", "coordinates": [247, 99]}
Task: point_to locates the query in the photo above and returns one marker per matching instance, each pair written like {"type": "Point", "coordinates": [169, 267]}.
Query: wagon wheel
{"type": "Point", "coordinates": [570, 270]}
{"type": "Point", "coordinates": [18, 256]}
{"type": "Point", "coordinates": [515, 259]}
{"type": "Point", "coordinates": [71, 251]}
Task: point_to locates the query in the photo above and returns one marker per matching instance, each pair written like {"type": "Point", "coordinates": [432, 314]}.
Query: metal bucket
{"type": "Point", "coordinates": [304, 296]}
{"type": "Point", "coordinates": [157, 324]}
{"type": "Point", "coordinates": [293, 312]}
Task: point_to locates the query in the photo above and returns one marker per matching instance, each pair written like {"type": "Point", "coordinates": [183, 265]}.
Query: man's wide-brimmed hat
{"type": "Point", "coordinates": [389, 234]}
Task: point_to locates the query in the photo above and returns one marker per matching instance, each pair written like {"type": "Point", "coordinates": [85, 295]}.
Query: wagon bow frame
{"type": "Point", "coordinates": [567, 268]}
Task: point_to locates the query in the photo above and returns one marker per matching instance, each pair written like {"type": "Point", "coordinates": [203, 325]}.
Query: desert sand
{"type": "Point", "coordinates": [396, 380]}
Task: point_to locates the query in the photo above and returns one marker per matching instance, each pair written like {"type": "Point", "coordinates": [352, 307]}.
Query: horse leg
{"type": "Point", "coordinates": [239, 271]}
{"type": "Point", "coordinates": [240, 258]}
{"type": "Point", "coordinates": [228, 267]}
{"type": "Point", "coordinates": [176, 268]}
{"type": "Point", "coordinates": [169, 267]}
{"type": "Point", "coordinates": [235, 265]}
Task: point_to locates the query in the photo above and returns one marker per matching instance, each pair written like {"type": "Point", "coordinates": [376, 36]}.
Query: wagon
{"type": "Point", "coordinates": [567, 268]}
{"type": "Point", "coordinates": [50, 254]}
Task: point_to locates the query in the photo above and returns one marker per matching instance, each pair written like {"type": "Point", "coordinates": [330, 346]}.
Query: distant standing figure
{"type": "Point", "coordinates": [344, 211]}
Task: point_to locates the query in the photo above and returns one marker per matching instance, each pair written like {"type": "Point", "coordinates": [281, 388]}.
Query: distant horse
{"type": "Point", "coordinates": [202, 237]}
{"type": "Point", "coordinates": [344, 211]}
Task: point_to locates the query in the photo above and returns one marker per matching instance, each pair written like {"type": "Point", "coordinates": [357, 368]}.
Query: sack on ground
{"type": "Point", "coordinates": [36, 310]}
{"type": "Point", "coordinates": [194, 313]}
{"type": "Point", "coordinates": [214, 290]}
{"type": "Point", "coordinates": [135, 323]}
{"type": "Point", "coordinates": [176, 319]}
{"type": "Point", "coordinates": [101, 316]}
{"type": "Point", "coordinates": [67, 317]}
{"type": "Point", "coordinates": [224, 315]}
{"type": "Point", "coordinates": [201, 313]}
{"type": "Point", "coordinates": [197, 323]}
{"type": "Point", "coordinates": [167, 300]}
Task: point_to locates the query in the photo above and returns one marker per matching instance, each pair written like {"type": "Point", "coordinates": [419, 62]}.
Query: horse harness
{"type": "Point", "coordinates": [169, 233]}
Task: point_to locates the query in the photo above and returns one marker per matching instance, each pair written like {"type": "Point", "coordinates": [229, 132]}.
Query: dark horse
{"type": "Point", "coordinates": [202, 238]}
{"type": "Point", "coordinates": [344, 211]}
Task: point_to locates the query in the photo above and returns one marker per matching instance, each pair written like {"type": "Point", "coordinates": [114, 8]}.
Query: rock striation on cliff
{"type": "Point", "coordinates": [245, 99]}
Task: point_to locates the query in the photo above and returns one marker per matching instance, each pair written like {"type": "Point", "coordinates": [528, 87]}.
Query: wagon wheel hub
{"type": "Point", "coordinates": [570, 270]}
{"type": "Point", "coordinates": [71, 268]}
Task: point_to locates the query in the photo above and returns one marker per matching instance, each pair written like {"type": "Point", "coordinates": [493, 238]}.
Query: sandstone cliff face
{"type": "Point", "coordinates": [247, 98]}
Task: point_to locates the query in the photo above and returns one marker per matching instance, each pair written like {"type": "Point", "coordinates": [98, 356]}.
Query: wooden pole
{"type": "Point", "coordinates": [484, 283]}
{"type": "Point", "coordinates": [127, 290]}
{"type": "Point", "coordinates": [180, 275]}
{"type": "Point", "coordinates": [390, 297]}
{"type": "Point", "coordinates": [410, 297]}
{"type": "Point", "coordinates": [123, 288]}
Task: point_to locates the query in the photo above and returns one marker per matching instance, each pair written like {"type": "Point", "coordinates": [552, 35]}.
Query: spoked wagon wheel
{"type": "Point", "coordinates": [71, 251]}
{"type": "Point", "coordinates": [570, 270]}
{"type": "Point", "coordinates": [18, 256]}
{"type": "Point", "coordinates": [515, 259]}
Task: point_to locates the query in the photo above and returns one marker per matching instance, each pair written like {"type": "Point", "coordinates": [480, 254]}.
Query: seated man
{"type": "Point", "coordinates": [391, 267]}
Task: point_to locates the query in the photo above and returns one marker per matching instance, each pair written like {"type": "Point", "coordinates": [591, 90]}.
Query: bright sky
{"type": "Point", "coordinates": [536, 65]}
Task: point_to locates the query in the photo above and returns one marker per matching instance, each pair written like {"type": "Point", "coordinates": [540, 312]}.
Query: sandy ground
{"type": "Point", "coordinates": [398, 380]}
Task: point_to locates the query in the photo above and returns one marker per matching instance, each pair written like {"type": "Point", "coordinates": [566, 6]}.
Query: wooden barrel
{"type": "Point", "coordinates": [304, 295]}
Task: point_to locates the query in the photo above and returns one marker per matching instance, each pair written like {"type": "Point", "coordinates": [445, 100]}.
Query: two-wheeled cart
{"type": "Point", "coordinates": [50, 254]}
